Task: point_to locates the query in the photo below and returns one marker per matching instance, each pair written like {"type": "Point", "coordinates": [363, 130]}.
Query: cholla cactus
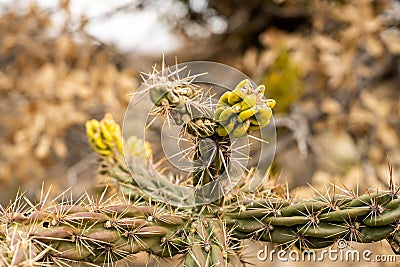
{"type": "Point", "coordinates": [94, 231]}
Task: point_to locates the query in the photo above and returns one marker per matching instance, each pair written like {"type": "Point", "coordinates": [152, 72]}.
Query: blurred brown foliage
{"type": "Point", "coordinates": [49, 87]}
{"type": "Point", "coordinates": [350, 104]}
{"type": "Point", "coordinates": [333, 66]}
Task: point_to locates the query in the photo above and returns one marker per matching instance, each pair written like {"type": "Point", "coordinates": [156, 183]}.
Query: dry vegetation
{"type": "Point", "coordinates": [49, 87]}
{"type": "Point", "coordinates": [332, 66]}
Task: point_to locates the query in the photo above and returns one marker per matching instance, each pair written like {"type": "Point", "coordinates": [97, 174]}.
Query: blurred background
{"type": "Point", "coordinates": [332, 66]}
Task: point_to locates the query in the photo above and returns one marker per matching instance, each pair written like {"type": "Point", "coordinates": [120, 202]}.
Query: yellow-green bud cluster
{"type": "Point", "coordinates": [243, 110]}
{"type": "Point", "coordinates": [105, 136]}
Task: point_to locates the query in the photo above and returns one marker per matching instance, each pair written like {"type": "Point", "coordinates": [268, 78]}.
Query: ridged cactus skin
{"type": "Point", "coordinates": [88, 232]}
{"type": "Point", "coordinates": [319, 222]}
{"type": "Point", "coordinates": [109, 230]}
{"type": "Point", "coordinates": [106, 229]}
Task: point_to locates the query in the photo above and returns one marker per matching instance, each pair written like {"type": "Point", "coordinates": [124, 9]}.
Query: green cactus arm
{"type": "Point", "coordinates": [367, 218]}
{"type": "Point", "coordinates": [88, 233]}
{"type": "Point", "coordinates": [101, 232]}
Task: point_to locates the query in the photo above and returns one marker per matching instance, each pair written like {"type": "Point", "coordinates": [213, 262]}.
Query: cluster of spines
{"type": "Point", "coordinates": [169, 91]}
{"type": "Point", "coordinates": [166, 87]}
{"type": "Point", "coordinates": [210, 244]}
